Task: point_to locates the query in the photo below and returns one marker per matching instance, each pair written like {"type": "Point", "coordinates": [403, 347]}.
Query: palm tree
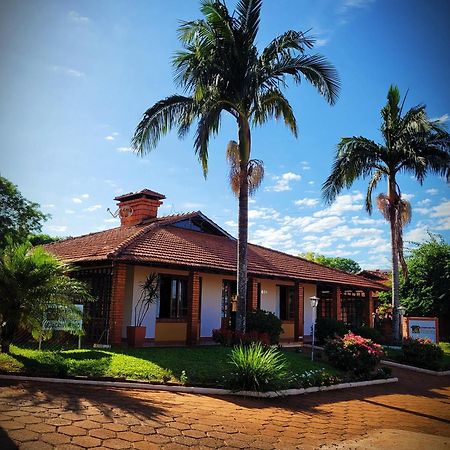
{"type": "Point", "coordinates": [31, 282]}
{"type": "Point", "coordinates": [413, 144]}
{"type": "Point", "coordinates": [222, 71]}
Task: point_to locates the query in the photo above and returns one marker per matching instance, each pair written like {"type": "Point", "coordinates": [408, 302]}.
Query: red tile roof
{"type": "Point", "coordinates": [161, 243]}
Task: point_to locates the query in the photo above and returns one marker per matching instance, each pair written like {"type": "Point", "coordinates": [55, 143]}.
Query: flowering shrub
{"type": "Point", "coordinates": [230, 338]}
{"type": "Point", "coordinates": [318, 377]}
{"type": "Point", "coordinates": [354, 354]}
{"type": "Point", "coordinates": [422, 352]}
{"type": "Point", "coordinates": [265, 322]}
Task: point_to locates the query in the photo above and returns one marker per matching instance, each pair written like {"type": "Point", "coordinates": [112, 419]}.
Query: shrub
{"type": "Point", "coordinates": [354, 354]}
{"type": "Point", "coordinates": [327, 328]}
{"type": "Point", "coordinates": [370, 333]}
{"type": "Point", "coordinates": [257, 368]}
{"type": "Point", "coordinates": [318, 377]}
{"type": "Point", "coordinates": [422, 352]}
{"type": "Point", "coordinates": [265, 322]}
{"type": "Point", "coordinates": [229, 338]}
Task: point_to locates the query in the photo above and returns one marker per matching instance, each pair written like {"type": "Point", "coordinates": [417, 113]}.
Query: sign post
{"type": "Point", "coordinates": [421, 328]}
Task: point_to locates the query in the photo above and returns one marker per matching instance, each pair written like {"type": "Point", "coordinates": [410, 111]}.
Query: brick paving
{"type": "Point", "coordinates": [45, 416]}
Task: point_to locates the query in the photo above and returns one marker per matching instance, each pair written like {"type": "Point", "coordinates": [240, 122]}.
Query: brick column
{"type": "Point", "coordinates": [252, 295]}
{"type": "Point", "coordinates": [298, 310]}
{"type": "Point", "coordinates": [370, 309]}
{"type": "Point", "coordinates": [117, 301]}
{"type": "Point", "coordinates": [193, 309]}
{"type": "Point", "coordinates": [337, 303]}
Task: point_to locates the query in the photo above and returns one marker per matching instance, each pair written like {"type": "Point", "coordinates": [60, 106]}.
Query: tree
{"type": "Point", "coordinates": [335, 262]}
{"type": "Point", "coordinates": [18, 216]}
{"type": "Point", "coordinates": [412, 144]}
{"type": "Point", "coordinates": [42, 239]}
{"type": "Point", "coordinates": [222, 71]}
{"type": "Point", "coordinates": [426, 291]}
{"type": "Point", "coordinates": [31, 282]}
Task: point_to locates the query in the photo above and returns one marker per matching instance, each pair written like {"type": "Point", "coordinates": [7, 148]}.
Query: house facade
{"type": "Point", "coordinates": [196, 263]}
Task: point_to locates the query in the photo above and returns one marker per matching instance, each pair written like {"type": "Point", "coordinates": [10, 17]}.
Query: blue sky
{"type": "Point", "coordinates": [77, 75]}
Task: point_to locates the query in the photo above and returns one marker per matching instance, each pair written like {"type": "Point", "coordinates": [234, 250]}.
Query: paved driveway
{"type": "Point", "coordinates": [44, 416]}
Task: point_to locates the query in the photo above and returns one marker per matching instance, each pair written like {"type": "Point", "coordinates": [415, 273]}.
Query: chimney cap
{"type": "Point", "coordinates": [145, 193]}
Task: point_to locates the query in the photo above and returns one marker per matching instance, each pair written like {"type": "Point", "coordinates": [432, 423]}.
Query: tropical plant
{"type": "Point", "coordinates": [149, 295]}
{"type": "Point", "coordinates": [32, 282]}
{"type": "Point", "coordinates": [265, 322]}
{"type": "Point", "coordinates": [257, 368]}
{"type": "Point", "coordinates": [412, 144]}
{"type": "Point", "coordinates": [222, 71]}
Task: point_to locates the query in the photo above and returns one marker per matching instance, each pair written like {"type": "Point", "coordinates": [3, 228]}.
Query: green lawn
{"type": "Point", "coordinates": [202, 365]}
{"type": "Point", "coordinates": [397, 355]}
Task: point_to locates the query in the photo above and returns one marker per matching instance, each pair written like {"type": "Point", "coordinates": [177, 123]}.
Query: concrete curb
{"type": "Point", "coordinates": [416, 369]}
{"type": "Point", "coordinates": [196, 390]}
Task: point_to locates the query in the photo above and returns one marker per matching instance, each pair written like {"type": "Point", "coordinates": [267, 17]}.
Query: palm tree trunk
{"type": "Point", "coordinates": [244, 154]}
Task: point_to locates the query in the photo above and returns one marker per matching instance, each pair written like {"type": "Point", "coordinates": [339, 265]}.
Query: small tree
{"type": "Point", "coordinates": [335, 262]}
{"type": "Point", "coordinates": [31, 282]}
{"type": "Point", "coordinates": [149, 295]}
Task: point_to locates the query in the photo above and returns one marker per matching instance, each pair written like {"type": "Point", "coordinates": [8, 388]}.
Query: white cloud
{"type": "Point", "coordinates": [307, 202]}
{"type": "Point", "coordinates": [423, 211]}
{"type": "Point", "coordinates": [311, 182]}
{"type": "Point", "coordinates": [84, 195]}
{"type": "Point", "coordinates": [68, 71]}
{"type": "Point", "coordinates": [343, 203]}
{"type": "Point", "coordinates": [418, 234]}
{"type": "Point", "coordinates": [124, 149]}
{"type": "Point", "coordinates": [109, 138]}
{"type": "Point", "coordinates": [58, 228]}
{"type": "Point", "coordinates": [192, 205]}
{"type": "Point", "coordinates": [282, 182]}
{"type": "Point", "coordinates": [93, 208]}
{"type": "Point", "coordinates": [353, 4]}
{"type": "Point", "coordinates": [69, 211]}
{"type": "Point", "coordinates": [272, 237]}
{"type": "Point", "coordinates": [432, 191]}
{"type": "Point", "coordinates": [111, 220]}
{"type": "Point", "coordinates": [408, 197]}
{"type": "Point", "coordinates": [263, 213]}
{"type": "Point", "coordinates": [374, 242]}
{"type": "Point", "coordinates": [321, 42]}
{"type": "Point", "coordinates": [231, 224]}
{"type": "Point", "coordinates": [366, 221]}
{"type": "Point", "coordinates": [324, 224]}
{"type": "Point", "coordinates": [424, 202]}
{"type": "Point", "coordinates": [77, 200]}
{"type": "Point", "coordinates": [348, 233]}
{"type": "Point", "coordinates": [78, 18]}
{"type": "Point", "coordinates": [48, 205]}
{"type": "Point", "coordinates": [442, 210]}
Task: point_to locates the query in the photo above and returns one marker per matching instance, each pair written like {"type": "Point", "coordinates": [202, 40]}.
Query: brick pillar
{"type": "Point", "coordinates": [370, 308]}
{"type": "Point", "coordinates": [252, 295]}
{"type": "Point", "coordinates": [298, 310]}
{"type": "Point", "coordinates": [193, 308]}
{"type": "Point", "coordinates": [117, 301]}
{"type": "Point", "coordinates": [337, 303]}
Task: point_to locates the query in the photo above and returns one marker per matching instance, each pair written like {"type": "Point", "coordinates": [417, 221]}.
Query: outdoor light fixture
{"type": "Point", "coordinates": [401, 310]}
{"type": "Point", "coordinates": [314, 302]}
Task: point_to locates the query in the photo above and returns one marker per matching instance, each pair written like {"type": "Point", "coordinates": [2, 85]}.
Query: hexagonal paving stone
{"type": "Point", "coordinates": [100, 418]}
{"type": "Point", "coordinates": [143, 429]}
{"type": "Point", "coordinates": [55, 438]}
{"type": "Point", "coordinates": [130, 436]}
{"type": "Point", "coordinates": [23, 435]}
{"type": "Point", "coordinates": [41, 428]}
{"type": "Point", "coordinates": [33, 445]}
{"type": "Point", "coordinates": [57, 421]}
{"type": "Point", "coordinates": [102, 433]}
{"type": "Point", "coordinates": [86, 441]}
{"type": "Point", "coordinates": [116, 443]}
{"type": "Point", "coordinates": [115, 426]}
{"type": "Point", "coordinates": [88, 424]}
{"type": "Point", "coordinates": [72, 430]}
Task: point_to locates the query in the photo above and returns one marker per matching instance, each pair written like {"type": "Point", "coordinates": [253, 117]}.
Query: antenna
{"type": "Point", "coordinates": [114, 214]}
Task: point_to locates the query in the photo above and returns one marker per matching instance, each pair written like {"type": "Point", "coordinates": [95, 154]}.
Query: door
{"type": "Point", "coordinates": [229, 304]}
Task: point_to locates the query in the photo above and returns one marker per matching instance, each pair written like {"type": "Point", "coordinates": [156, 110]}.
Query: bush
{"type": "Point", "coordinates": [422, 353]}
{"type": "Point", "coordinates": [318, 377]}
{"type": "Point", "coordinates": [354, 354]}
{"type": "Point", "coordinates": [258, 368]}
{"type": "Point", "coordinates": [230, 338]}
{"type": "Point", "coordinates": [265, 322]}
{"type": "Point", "coordinates": [370, 333]}
{"type": "Point", "coordinates": [327, 328]}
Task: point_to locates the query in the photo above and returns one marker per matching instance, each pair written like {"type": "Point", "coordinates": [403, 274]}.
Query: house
{"type": "Point", "coordinates": [196, 261]}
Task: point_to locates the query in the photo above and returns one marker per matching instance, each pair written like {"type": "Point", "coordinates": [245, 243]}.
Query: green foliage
{"type": "Point", "coordinates": [265, 322]}
{"type": "Point", "coordinates": [336, 262]}
{"type": "Point", "coordinates": [354, 354]}
{"type": "Point", "coordinates": [41, 239]}
{"type": "Point", "coordinates": [422, 353]}
{"type": "Point", "coordinates": [149, 295]}
{"type": "Point", "coordinates": [327, 328]}
{"type": "Point", "coordinates": [257, 368]}
{"type": "Point", "coordinates": [32, 282]}
{"type": "Point", "coordinates": [230, 338]}
{"type": "Point", "coordinates": [18, 216]}
{"type": "Point", "coordinates": [316, 377]}
{"type": "Point", "coordinates": [370, 333]}
{"type": "Point", "coordinates": [426, 292]}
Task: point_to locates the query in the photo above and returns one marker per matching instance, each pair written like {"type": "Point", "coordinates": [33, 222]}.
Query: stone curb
{"type": "Point", "coordinates": [416, 369]}
{"type": "Point", "coordinates": [197, 390]}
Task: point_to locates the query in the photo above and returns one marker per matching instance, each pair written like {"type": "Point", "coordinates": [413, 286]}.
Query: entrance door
{"type": "Point", "coordinates": [229, 304]}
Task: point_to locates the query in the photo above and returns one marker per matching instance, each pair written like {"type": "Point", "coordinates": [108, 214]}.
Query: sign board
{"type": "Point", "coordinates": [421, 328]}
{"type": "Point", "coordinates": [55, 318]}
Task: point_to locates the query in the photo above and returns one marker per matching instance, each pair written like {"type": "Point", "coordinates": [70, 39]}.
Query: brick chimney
{"type": "Point", "coordinates": [138, 206]}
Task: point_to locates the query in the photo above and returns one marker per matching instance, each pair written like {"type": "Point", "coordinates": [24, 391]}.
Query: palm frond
{"type": "Point", "coordinates": [159, 119]}
{"type": "Point", "coordinates": [255, 175]}
{"type": "Point", "coordinates": [284, 44]}
{"type": "Point", "coordinates": [248, 14]}
{"type": "Point", "coordinates": [376, 177]}
{"type": "Point", "coordinates": [384, 205]}
{"type": "Point", "coordinates": [405, 212]}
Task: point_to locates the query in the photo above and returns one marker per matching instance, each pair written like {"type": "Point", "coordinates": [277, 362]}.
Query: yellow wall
{"type": "Point", "coordinates": [288, 330]}
{"type": "Point", "coordinates": [170, 331]}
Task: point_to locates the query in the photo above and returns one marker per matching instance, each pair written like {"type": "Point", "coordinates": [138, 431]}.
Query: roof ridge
{"type": "Point", "coordinates": [69, 238]}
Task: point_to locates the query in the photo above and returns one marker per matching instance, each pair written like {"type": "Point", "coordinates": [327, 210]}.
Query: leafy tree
{"type": "Point", "coordinates": [426, 291]}
{"type": "Point", "coordinates": [31, 282]}
{"type": "Point", "coordinates": [222, 71]}
{"type": "Point", "coordinates": [41, 239]}
{"type": "Point", "coordinates": [18, 216]}
{"type": "Point", "coordinates": [413, 144]}
{"type": "Point", "coordinates": [335, 262]}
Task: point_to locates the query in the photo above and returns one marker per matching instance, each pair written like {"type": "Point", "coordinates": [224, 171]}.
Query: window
{"type": "Point", "coordinates": [353, 307]}
{"type": "Point", "coordinates": [325, 307]}
{"type": "Point", "coordinates": [286, 302]}
{"type": "Point", "coordinates": [173, 297]}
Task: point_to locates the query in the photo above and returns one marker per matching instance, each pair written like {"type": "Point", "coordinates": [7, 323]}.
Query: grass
{"type": "Point", "coordinates": [396, 355]}
{"type": "Point", "coordinates": [202, 365]}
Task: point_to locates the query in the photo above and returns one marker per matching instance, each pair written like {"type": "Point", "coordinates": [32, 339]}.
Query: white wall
{"type": "Point", "coordinates": [211, 303]}
{"type": "Point", "coordinates": [310, 291]}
